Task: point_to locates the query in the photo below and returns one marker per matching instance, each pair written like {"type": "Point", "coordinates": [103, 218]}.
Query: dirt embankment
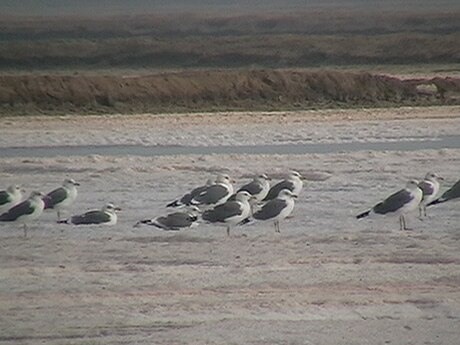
{"type": "Point", "coordinates": [210, 90]}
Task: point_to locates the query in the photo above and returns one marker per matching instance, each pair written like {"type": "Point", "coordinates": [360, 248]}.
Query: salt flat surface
{"type": "Point", "coordinates": [327, 278]}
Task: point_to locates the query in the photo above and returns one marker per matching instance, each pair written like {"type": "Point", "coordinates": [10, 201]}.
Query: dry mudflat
{"type": "Point", "coordinates": [325, 279]}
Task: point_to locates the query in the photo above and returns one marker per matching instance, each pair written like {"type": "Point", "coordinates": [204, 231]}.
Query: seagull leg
{"type": "Point", "coordinates": [59, 215]}
{"type": "Point", "coordinates": [424, 210]}
{"type": "Point", "coordinates": [25, 230]}
{"type": "Point", "coordinates": [228, 230]}
{"type": "Point", "coordinates": [277, 226]}
{"type": "Point", "coordinates": [401, 222]}
{"type": "Point", "coordinates": [404, 223]}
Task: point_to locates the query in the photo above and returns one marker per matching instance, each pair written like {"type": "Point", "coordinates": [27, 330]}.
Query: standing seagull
{"type": "Point", "coordinates": [277, 208]}
{"type": "Point", "coordinates": [258, 188]}
{"type": "Point", "coordinates": [10, 197]}
{"type": "Point", "coordinates": [106, 216]}
{"type": "Point", "coordinates": [62, 197]}
{"type": "Point", "coordinates": [172, 221]}
{"type": "Point", "coordinates": [25, 211]}
{"type": "Point", "coordinates": [293, 183]}
{"type": "Point", "coordinates": [231, 213]}
{"type": "Point", "coordinates": [430, 188]}
{"type": "Point", "coordinates": [452, 193]}
{"type": "Point", "coordinates": [215, 194]}
{"type": "Point", "coordinates": [187, 198]}
{"type": "Point", "coordinates": [401, 202]}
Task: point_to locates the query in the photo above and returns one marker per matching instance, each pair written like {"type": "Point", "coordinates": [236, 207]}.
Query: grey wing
{"type": "Point", "coordinates": [394, 202]}
{"type": "Point", "coordinates": [17, 211]}
{"type": "Point", "coordinates": [271, 209]}
{"type": "Point", "coordinates": [91, 217]}
{"type": "Point", "coordinates": [277, 188]}
{"type": "Point", "coordinates": [426, 187]}
{"type": "Point", "coordinates": [175, 221]}
{"type": "Point", "coordinates": [222, 212]}
{"type": "Point", "coordinates": [55, 197]}
{"type": "Point", "coordinates": [187, 198]}
{"type": "Point", "coordinates": [452, 193]}
{"type": "Point", "coordinates": [252, 188]}
{"type": "Point", "coordinates": [4, 197]}
{"type": "Point", "coordinates": [211, 195]}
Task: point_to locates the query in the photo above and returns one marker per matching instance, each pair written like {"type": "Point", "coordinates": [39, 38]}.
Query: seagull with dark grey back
{"type": "Point", "coordinates": [430, 187]}
{"type": "Point", "coordinates": [294, 183]}
{"type": "Point", "coordinates": [26, 211]}
{"type": "Point", "coordinates": [231, 212]}
{"type": "Point", "coordinates": [105, 216]}
{"type": "Point", "coordinates": [399, 203]}
{"type": "Point", "coordinates": [278, 208]}
{"type": "Point", "coordinates": [10, 197]}
{"type": "Point", "coordinates": [63, 197]}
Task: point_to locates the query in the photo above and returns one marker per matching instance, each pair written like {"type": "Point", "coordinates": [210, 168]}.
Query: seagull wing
{"type": "Point", "coordinates": [277, 188]}
{"type": "Point", "coordinates": [91, 217]}
{"type": "Point", "coordinates": [222, 212]}
{"type": "Point", "coordinates": [17, 211]}
{"type": "Point", "coordinates": [55, 197]}
{"type": "Point", "coordinates": [4, 197]}
{"type": "Point", "coordinates": [394, 202]}
{"type": "Point", "coordinates": [271, 209]}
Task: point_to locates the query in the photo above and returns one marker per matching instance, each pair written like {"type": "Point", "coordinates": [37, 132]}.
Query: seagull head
{"type": "Point", "coordinates": [69, 182]}
{"type": "Point", "coordinates": [286, 194]}
{"type": "Point", "coordinates": [431, 176]}
{"type": "Point", "coordinates": [295, 175]}
{"type": "Point", "coordinates": [36, 195]}
{"type": "Point", "coordinates": [224, 178]}
{"type": "Point", "coordinates": [263, 177]}
{"type": "Point", "coordinates": [15, 189]}
{"type": "Point", "coordinates": [111, 208]}
{"type": "Point", "coordinates": [412, 185]}
{"type": "Point", "coordinates": [243, 196]}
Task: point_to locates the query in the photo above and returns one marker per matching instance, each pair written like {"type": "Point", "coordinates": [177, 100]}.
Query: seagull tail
{"type": "Point", "coordinates": [245, 221]}
{"type": "Point", "coordinates": [175, 203]}
{"type": "Point", "coordinates": [364, 214]}
{"type": "Point", "coordinates": [144, 221]}
{"type": "Point", "coordinates": [437, 201]}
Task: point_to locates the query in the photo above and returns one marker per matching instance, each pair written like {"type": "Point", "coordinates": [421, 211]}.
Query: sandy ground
{"type": "Point", "coordinates": [326, 279]}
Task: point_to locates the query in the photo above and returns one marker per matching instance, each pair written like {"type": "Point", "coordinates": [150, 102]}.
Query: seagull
{"type": "Point", "coordinates": [172, 221]}
{"type": "Point", "coordinates": [231, 212]}
{"type": "Point", "coordinates": [105, 216]}
{"type": "Point", "coordinates": [258, 188]}
{"type": "Point", "coordinates": [215, 194]}
{"type": "Point", "coordinates": [277, 208]}
{"type": "Point", "coordinates": [187, 198]}
{"type": "Point", "coordinates": [293, 183]}
{"type": "Point", "coordinates": [10, 197]}
{"type": "Point", "coordinates": [450, 194]}
{"type": "Point", "coordinates": [401, 202]}
{"type": "Point", "coordinates": [25, 211]}
{"type": "Point", "coordinates": [430, 188]}
{"type": "Point", "coordinates": [62, 197]}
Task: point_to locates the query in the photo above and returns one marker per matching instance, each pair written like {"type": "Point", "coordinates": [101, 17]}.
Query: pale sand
{"type": "Point", "coordinates": [326, 279]}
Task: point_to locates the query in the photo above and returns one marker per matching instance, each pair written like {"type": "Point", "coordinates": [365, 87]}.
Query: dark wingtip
{"type": "Point", "coordinates": [364, 214]}
{"type": "Point", "coordinates": [435, 202]}
{"type": "Point", "coordinates": [175, 203]}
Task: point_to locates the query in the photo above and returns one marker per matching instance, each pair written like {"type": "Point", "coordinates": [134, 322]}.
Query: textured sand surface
{"type": "Point", "coordinates": [325, 279]}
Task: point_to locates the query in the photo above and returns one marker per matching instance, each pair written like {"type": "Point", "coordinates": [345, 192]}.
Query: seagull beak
{"type": "Point", "coordinates": [440, 178]}
{"type": "Point", "coordinates": [76, 184]}
{"type": "Point", "coordinates": [117, 209]}
{"type": "Point", "coordinates": [294, 196]}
